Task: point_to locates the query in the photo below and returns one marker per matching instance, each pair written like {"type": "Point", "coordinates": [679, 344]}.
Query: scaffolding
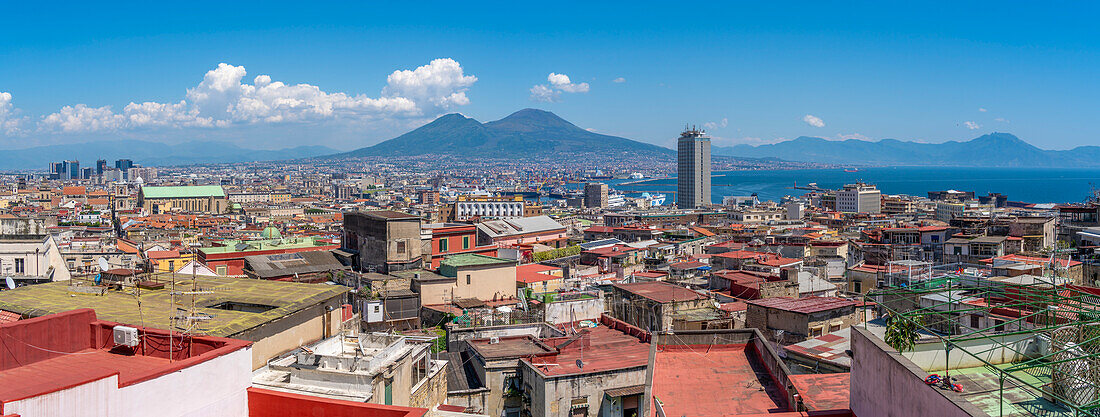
{"type": "Point", "coordinates": [1039, 336]}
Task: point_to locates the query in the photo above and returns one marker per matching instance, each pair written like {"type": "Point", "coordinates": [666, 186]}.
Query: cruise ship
{"type": "Point", "coordinates": [654, 199]}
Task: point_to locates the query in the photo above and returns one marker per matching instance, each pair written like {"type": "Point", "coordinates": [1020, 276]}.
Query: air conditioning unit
{"type": "Point", "coordinates": [126, 336]}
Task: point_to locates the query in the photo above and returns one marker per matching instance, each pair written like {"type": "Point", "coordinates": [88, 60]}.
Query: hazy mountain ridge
{"type": "Point", "coordinates": [991, 150]}
{"type": "Point", "coordinates": [149, 153]}
{"type": "Point", "coordinates": [522, 134]}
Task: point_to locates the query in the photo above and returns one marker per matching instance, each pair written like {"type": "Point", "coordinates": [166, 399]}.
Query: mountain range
{"type": "Point", "coordinates": [149, 153]}
{"type": "Point", "coordinates": [991, 150]}
{"type": "Point", "coordinates": [525, 133]}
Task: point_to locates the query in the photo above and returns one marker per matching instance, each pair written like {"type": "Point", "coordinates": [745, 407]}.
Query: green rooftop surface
{"type": "Point", "coordinates": [232, 246]}
{"type": "Point", "coordinates": [155, 310]}
{"type": "Point", "coordinates": [183, 191]}
{"type": "Point", "coordinates": [981, 387]}
{"type": "Point", "coordinates": [473, 259]}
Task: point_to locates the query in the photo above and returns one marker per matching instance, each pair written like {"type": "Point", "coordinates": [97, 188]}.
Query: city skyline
{"type": "Point", "coordinates": [756, 74]}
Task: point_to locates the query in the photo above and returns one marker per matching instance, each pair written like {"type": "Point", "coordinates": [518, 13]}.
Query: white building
{"type": "Point", "coordinates": [464, 210]}
{"type": "Point", "coordinates": [28, 254]}
{"type": "Point", "coordinates": [69, 364]}
{"type": "Point", "coordinates": [859, 198]}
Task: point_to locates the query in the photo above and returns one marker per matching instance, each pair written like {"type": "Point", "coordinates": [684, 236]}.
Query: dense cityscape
{"type": "Point", "coordinates": [578, 209]}
{"type": "Point", "coordinates": [533, 289]}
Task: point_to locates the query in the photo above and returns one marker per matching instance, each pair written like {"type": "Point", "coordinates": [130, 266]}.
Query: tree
{"type": "Point", "coordinates": [902, 332]}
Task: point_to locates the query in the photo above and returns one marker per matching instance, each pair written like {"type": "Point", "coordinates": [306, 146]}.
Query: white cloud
{"type": "Point", "coordinates": [971, 125]}
{"type": "Point", "coordinates": [1001, 119]}
{"type": "Point", "coordinates": [542, 93]}
{"type": "Point", "coordinates": [558, 83]}
{"type": "Point", "coordinates": [982, 109]}
{"type": "Point", "coordinates": [10, 122]}
{"type": "Point", "coordinates": [813, 120]}
{"type": "Point", "coordinates": [562, 82]}
{"type": "Point", "coordinates": [714, 125]}
{"type": "Point", "coordinates": [619, 80]}
{"type": "Point", "coordinates": [81, 118]}
{"type": "Point", "coordinates": [221, 99]}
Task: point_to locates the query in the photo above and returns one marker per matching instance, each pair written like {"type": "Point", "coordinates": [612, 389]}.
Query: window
{"type": "Point", "coordinates": [171, 265]}
{"type": "Point", "coordinates": [857, 286]}
{"type": "Point", "coordinates": [467, 279]}
{"type": "Point", "coordinates": [999, 325]}
{"type": "Point", "coordinates": [20, 266]}
{"type": "Point", "coordinates": [401, 247]}
{"type": "Point", "coordinates": [974, 321]}
{"type": "Point", "coordinates": [443, 245]}
{"type": "Point", "coordinates": [816, 331]}
{"type": "Point", "coordinates": [220, 270]}
{"type": "Point", "coordinates": [465, 242]}
{"type": "Point", "coordinates": [377, 308]}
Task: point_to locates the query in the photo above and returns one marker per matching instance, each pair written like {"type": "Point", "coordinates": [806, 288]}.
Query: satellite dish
{"type": "Point", "coordinates": [580, 364]}
{"type": "Point", "coordinates": [103, 266]}
{"type": "Point", "coordinates": [10, 283]}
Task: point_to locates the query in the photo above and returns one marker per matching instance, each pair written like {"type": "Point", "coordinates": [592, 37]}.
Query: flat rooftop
{"type": "Point", "coordinates": [509, 347]}
{"type": "Point", "coordinates": [600, 349]}
{"type": "Point", "coordinates": [254, 302]}
{"type": "Point", "coordinates": [731, 378]}
{"type": "Point", "coordinates": [46, 354]}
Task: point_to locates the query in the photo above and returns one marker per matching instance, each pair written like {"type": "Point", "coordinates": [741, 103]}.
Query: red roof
{"type": "Point", "coordinates": [601, 349]}
{"type": "Point", "coordinates": [532, 273]}
{"type": "Point", "coordinates": [803, 305]}
{"type": "Point", "coordinates": [726, 373]}
{"type": "Point", "coordinates": [823, 392]}
{"type": "Point", "coordinates": [58, 351]}
{"type": "Point", "coordinates": [599, 229]}
{"type": "Point", "coordinates": [660, 291]}
{"type": "Point", "coordinates": [269, 403]}
{"type": "Point", "coordinates": [1032, 260]}
{"type": "Point", "coordinates": [8, 316]}
{"type": "Point", "coordinates": [163, 254]}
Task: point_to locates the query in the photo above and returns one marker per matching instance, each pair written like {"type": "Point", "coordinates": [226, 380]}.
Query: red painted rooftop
{"type": "Point", "coordinates": [268, 403]}
{"type": "Point", "coordinates": [803, 305]}
{"type": "Point", "coordinates": [823, 392]}
{"type": "Point", "coordinates": [660, 291]}
{"type": "Point", "coordinates": [714, 380]}
{"type": "Point", "coordinates": [58, 351]}
{"type": "Point", "coordinates": [601, 349]}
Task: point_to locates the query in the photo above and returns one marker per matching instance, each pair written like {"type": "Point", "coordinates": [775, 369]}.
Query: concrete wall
{"type": "Point", "coordinates": [565, 311]}
{"type": "Point", "coordinates": [457, 337]}
{"type": "Point", "coordinates": [886, 384]}
{"type": "Point", "coordinates": [217, 387]}
{"type": "Point", "coordinates": [554, 396]}
{"type": "Point", "coordinates": [300, 331]}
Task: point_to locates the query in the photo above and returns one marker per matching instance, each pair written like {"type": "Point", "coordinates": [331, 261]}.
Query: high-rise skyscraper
{"type": "Point", "coordinates": [124, 165]}
{"type": "Point", "coordinates": [100, 166]}
{"type": "Point", "coordinates": [693, 169]}
{"type": "Point", "coordinates": [72, 170]}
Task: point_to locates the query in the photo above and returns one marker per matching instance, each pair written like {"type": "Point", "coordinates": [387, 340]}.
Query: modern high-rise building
{"type": "Point", "coordinates": [100, 166]}
{"type": "Point", "coordinates": [595, 195]}
{"type": "Point", "coordinates": [859, 198]}
{"type": "Point", "coordinates": [693, 169]}
{"type": "Point", "coordinates": [71, 170]}
{"type": "Point", "coordinates": [124, 165]}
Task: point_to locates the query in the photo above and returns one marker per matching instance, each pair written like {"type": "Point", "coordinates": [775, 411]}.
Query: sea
{"type": "Point", "coordinates": [1032, 185]}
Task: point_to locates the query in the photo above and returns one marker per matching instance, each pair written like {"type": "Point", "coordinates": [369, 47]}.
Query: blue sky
{"type": "Point", "coordinates": [753, 71]}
